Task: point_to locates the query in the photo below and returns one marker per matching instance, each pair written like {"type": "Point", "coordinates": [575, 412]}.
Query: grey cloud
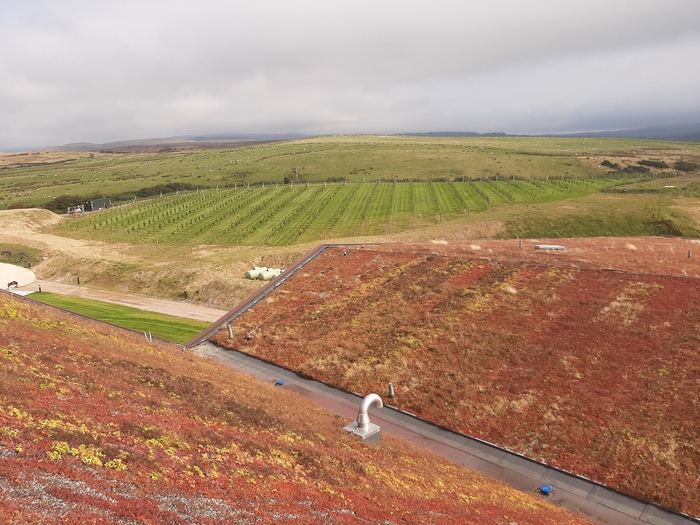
{"type": "Point", "coordinates": [98, 71]}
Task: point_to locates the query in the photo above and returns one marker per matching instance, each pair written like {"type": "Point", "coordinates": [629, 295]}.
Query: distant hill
{"type": "Point", "coordinates": [673, 132]}
{"type": "Point", "coordinates": [454, 134]}
{"type": "Point", "coordinates": [212, 140]}
{"type": "Point", "coordinates": [689, 132]}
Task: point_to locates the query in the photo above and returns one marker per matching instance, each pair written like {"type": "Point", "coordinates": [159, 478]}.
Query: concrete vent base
{"type": "Point", "coordinates": [371, 434]}
{"type": "Point", "coordinates": [362, 427]}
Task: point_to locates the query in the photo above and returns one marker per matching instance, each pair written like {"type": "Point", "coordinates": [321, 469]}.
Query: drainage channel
{"type": "Point", "coordinates": [592, 500]}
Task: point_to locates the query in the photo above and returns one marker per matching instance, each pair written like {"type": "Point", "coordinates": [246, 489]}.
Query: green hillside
{"type": "Point", "coordinates": [282, 214]}
{"type": "Point", "coordinates": [354, 158]}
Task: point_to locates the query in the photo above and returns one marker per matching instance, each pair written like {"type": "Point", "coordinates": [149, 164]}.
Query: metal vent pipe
{"type": "Point", "coordinates": [363, 416]}
{"type": "Point", "coordinates": [369, 432]}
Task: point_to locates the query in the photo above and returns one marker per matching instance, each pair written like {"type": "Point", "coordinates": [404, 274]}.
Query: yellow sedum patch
{"type": "Point", "coordinates": [88, 454]}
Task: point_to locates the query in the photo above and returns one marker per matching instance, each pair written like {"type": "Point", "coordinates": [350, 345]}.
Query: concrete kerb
{"type": "Point", "coordinates": [520, 463]}
{"type": "Point", "coordinates": [482, 450]}
{"type": "Point", "coordinates": [575, 484]}
{"type": "Point", "coordinates": [617, 501]}
{"type": "Point", "coordinates": [656, 516]}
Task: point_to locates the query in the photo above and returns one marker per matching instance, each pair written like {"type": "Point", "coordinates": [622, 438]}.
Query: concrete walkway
{"type": "Point", "coordinates": [12, 272]}
{"type": "Point", "coordinates": [586, 498]}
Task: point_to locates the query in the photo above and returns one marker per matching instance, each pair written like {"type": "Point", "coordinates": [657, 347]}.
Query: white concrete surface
{"type": "Point", "coordinates": [10, 272]}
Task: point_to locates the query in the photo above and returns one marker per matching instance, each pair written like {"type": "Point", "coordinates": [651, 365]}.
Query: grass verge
{"type": "Point", "coordinates": [601, 215]}
{"type": "Point", "coordinates": [167, 327]}
{"type": "Point", "coordinates": [19, 255]}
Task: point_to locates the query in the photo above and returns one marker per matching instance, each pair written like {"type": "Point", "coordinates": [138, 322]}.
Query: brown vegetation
{"type": "Point", "coordinates": [97, 426]}
{"type": "Point", "coordinates": [590, 370]}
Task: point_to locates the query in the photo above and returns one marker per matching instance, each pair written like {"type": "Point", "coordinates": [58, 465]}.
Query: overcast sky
{"type": "Point", "coordinates": [99, 71]}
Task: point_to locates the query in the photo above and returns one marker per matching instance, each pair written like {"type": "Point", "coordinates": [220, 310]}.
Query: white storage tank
{"type": "Point", "coordinates": [255, 272]}
{"type": "Point", "coordinates": [269, 274]}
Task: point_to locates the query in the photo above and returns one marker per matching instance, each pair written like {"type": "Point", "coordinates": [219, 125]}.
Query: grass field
{"type": "Point", "coordinates": [352, 158]}
{"type": "Point", "coordinates": [277, 215]}
{"type": "Point", "coordinates": [166, 327]}
{"type": "Point", "coordinates": [602, 215]}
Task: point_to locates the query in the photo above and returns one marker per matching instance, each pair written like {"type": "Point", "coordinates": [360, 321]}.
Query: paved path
{"type": "Point", "coordinates": [151, 304]}
{"type": "Point", "coordinates": [11, 272]}
{"type": "Point", "coordinates": [601, 506]}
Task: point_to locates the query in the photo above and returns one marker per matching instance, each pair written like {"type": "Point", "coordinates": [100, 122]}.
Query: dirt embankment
{"type": "Point", "coordinates": [213, 276]}
{"type": "Point", "coordinates": [63, 257]}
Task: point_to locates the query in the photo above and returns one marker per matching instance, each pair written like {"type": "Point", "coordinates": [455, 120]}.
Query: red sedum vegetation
{"type": "Point", "coordinates": [97, 426]}
{"type": "Point", "coordinates": [593, 371]}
